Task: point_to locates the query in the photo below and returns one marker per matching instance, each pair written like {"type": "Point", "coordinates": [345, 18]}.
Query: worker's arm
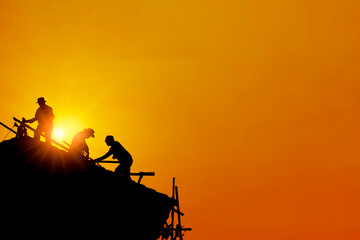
{"type": "Point", "coordinates": [108, 154]}
{"type": "Point", "coordinates": [33, 119]}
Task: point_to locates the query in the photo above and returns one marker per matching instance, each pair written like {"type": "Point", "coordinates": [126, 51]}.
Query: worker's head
{"type": "Point", "coordinates": [41, 101]}
{"type": "Point", "coordinates": [89, 132]}
{"type": "Point", "coordinates": [109, 140]}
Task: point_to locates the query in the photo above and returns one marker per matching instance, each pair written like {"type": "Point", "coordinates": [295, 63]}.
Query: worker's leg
{"type": "Point", "coordinates": [48, 133]}
{"type": "Point", "coordinates": [123, 171]}
{"type": "Point", "coordinates": [127, 172]}
{"type": "Point", "coordinates": [37, 133]}
{"type": "Point", "coordinates": [118, 170]}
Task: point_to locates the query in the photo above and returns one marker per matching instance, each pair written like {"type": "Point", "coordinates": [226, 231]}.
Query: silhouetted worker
{"type": "Point", "coordinates": [119, 153]}
{"type": "Point", "coordinates": [21, 131]}
{"type": "Point", "coordinates": [78, 145]}
{"type": "Point", "coordinates": [44, 115]}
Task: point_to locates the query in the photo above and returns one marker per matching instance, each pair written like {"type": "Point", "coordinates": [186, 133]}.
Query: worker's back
{"type": "Point", "coordinates": [78, 144]}
{"type": "Point", "coordinates": [121, 154]}
{"type": "Point", "coordinates": [45, 115]}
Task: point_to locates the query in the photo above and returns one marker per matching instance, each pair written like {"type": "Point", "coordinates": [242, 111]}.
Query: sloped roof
{"type": "Point", "coordinates": [45, 190]}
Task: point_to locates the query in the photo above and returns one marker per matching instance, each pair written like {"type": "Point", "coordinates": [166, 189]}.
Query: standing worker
{"type": "Point", "coordinates": [119, 153]}
{"type": "Point", "coordinates": [45, 116]}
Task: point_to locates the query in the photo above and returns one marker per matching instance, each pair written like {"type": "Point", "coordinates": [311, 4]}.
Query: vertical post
{"type": "Point", "coordinates": [172, 212]}
{"type": "Point", "coordinates": [178, 208]}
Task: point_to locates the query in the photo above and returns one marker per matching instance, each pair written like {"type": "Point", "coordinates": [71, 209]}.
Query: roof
{"type": "Point", "coordinates": [69, 195]}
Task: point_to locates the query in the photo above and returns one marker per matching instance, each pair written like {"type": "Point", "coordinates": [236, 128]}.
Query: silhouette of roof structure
{"type": "Point", "coordinates": [46, 193]}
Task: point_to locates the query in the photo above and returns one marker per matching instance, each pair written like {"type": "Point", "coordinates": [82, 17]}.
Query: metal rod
{"type": "Point", "coordinates": [10, 129]}
{"type": "Point", "coordinates": [108, 161]}
{"type": "Point", "coordinates": [178, 212]}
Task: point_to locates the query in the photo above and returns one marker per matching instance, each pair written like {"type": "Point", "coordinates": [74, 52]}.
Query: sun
{"type": "Point", "coordinates": [59, 134]}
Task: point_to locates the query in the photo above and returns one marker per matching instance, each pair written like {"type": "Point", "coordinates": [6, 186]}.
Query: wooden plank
{"type": "Point", "coordinates": [7, 127]}
{"type": "Point", "coordinates": [143, 173]}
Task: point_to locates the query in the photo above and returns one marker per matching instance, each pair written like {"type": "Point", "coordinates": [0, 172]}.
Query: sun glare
{"type": "Point", "coordinates": [65, 127]}
{"type": "Point", "coordinates": [59, 134]}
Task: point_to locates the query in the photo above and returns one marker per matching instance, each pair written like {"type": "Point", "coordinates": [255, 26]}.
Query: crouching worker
{"type": "Point", "coordinates": [119, 153]}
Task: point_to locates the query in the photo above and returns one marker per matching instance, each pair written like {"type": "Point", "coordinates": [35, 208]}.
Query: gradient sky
{"type": "Point", "coordinates": [253, 106]}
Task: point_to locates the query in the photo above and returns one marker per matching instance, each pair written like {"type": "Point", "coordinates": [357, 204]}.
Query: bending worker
{"type": "Point", "coordinates": [78, 145]}
{"type": "Point", "coordinates": [45, 116]}
{"type": "Point", "coordinates": [119, 153]}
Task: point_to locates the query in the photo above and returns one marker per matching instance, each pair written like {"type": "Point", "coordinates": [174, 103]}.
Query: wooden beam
{"type": "Point", "coordinates": [7, 127]}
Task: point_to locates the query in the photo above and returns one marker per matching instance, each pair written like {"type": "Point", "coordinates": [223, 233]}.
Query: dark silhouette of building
{"type": "Point", "coordinates": [45, 116]}
{"type": "Point", "coordinates": [46, 194]}
{"type": "Point", "coordinates": [119, 153]}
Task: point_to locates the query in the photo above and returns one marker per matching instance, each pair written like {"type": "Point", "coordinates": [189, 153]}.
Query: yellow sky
{"type": "Point", "coordinates": [252, 105]}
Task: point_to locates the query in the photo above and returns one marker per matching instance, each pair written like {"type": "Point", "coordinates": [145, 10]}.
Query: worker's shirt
{"type": "Point", "coordinates": [120, 153]}
{"type": "Point", "coordinates": [44, 115]}
{"type": "Point", "coordinates": [78, 143]}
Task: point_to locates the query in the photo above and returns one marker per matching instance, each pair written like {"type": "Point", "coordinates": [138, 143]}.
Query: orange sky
{"type": "Point", "coordinates": [252, 105]}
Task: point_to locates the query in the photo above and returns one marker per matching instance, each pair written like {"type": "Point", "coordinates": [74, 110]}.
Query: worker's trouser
{"type": "Point", "coordinates": [123, 170]}
{"type": "Point", "coordinates": [46, 130]}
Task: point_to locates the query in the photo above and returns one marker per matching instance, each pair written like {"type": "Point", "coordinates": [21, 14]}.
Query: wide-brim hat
{"type": "Point", "coordinates": [40, 99]}
{"type": "Point", "coordinates": [90, 131]}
